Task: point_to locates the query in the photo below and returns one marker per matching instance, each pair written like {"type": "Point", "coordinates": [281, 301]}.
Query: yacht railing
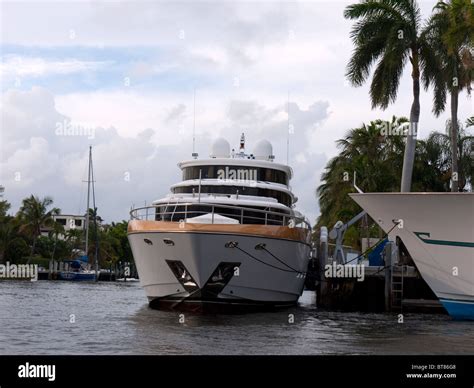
{"type": "Point", "coordinates": [169, 212]}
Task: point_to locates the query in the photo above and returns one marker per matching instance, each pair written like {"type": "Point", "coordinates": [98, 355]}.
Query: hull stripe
{"type": "Point", "coordinates": [443, 242]}
{"type": "Point", "coordinates": [462, 310]}
{"type": "Point", "coordinates": [457, 300]}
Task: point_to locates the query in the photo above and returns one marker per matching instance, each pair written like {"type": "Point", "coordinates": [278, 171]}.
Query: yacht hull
{"type": "Point", "coordinates": [207, 267]}
{"type": "Point", "coordinates": [438, 231]}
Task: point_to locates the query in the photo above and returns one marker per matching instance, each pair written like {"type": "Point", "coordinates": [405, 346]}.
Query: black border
{"type": "Point", "coordinates": [223, 371]}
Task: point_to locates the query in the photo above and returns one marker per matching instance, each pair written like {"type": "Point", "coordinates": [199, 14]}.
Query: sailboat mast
{"type": "Point", "coordinates": [88, 200]}
{"type": "Point", "coordinates": [96, 231]}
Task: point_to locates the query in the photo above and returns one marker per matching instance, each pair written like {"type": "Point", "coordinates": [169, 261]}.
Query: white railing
{"type": "Point", "coordinates": [187, 210]}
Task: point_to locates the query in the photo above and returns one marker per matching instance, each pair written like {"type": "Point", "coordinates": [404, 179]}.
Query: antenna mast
{"type": "Point", "coordinates": [288, 132]}
{"type": "Point", "coordinates": [194, 154]}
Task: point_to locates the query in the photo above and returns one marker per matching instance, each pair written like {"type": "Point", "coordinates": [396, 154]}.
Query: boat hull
{"type": "Point", "coordinates": [438, 232]}
{"type": "Point", "coordinates": [196, 268]}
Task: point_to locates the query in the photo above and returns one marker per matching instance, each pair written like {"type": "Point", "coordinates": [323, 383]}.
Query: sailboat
{"type": "Point", "coordinates": [79, 269]}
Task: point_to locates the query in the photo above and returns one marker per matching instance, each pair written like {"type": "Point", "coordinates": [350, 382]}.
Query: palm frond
{"type": "Point", "coordinates": [384, 86]}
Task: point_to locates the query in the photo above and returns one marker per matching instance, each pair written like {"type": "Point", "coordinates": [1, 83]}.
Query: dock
{"type": "Point", "coordinates": [390, 287]}
{"type": "Point", "coordinates": [105, 275]}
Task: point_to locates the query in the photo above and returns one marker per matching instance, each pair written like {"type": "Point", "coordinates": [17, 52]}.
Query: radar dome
{"type": "Point", "coordinates": [220, 148]}
{"type": "Point", "coordinates": [263, 150]}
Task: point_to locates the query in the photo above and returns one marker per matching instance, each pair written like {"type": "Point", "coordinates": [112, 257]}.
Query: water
{"type": "Point", "coordinates": [114, 318]}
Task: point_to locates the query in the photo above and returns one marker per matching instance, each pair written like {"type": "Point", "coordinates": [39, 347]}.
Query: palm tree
{"type": "Point", "coordinates": [435, 155]}
{"type": "Point", "coordinates": [388, 31]}
{"type": "Point", "coordinates": [93, 215]}
{"type": "Point", "coordinates": [75, 239]}
{"type": "Point", "coordinates": [466, 157]}
{"type": "Point", "coordinates": [374, 152]}
{"type": "Point", "coordinates": [8, 232]}
{"type": "Point", "coordinates": [57, 229]}
{"type": "Point", "coordinates": [466, 160]}
{"type": "Point", "coordinates": [376, 155]}
{"type": "Point", "coordinates": [4, 207]}
{"type": "Point", "coordinates": [432, 170]}
{"type": "Point", "coordinates": [119, 232]}
{"type": "Point", "coordinates": [34, 215]}
{"type": "Point", "coordinates": [450, 33]}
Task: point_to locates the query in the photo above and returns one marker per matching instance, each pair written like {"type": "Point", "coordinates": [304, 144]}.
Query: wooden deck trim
{"type": "Point", "coordinates": [273, 231]}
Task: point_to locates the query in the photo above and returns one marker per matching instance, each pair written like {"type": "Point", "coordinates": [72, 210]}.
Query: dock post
{"type": "Point", "coordinates": [387, 253]}
{"type": "Point", "coordinates": [323, 258]}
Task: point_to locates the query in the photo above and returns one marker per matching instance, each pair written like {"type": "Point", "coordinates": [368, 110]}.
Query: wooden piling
{"type": "Point", "coordinates": [322, 261]}
{"type": "Point", "coordinates": [388, 275]}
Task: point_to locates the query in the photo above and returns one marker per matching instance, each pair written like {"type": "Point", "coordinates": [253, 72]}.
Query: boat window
{"type": "Point", "coordinates": [280, 196]}
{"type": "Point", "coordinates": [236, 172]}
{"type": "Point", "coordinates": [247, 216]}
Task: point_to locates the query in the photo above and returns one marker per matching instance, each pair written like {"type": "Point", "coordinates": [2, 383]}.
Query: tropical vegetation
{"type": "Point", "coordinates": [374, 152]}
{"type": "Point", "coordinates": [450, 32]}
{"type": "Point", "coordinates": [33, 236]}
{"type": "Point", "coordinates": [388, 34]}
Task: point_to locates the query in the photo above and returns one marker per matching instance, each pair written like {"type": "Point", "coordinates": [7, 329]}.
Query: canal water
{"type": "Point", "coordinates": [46, 317]}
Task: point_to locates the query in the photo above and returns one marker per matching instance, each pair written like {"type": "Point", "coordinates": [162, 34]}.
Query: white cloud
{"type": "Point", "coordinates": [242, 58]}
{"type": "Point", "coordinates": [24, 115]}
{"type": "Point", "coordinates": [141, 166]}
{"type": "Point", "coordinates": [29, 166]}
{"type": "Point", "coordinates": [129, 112]}
{"type": "Point", "coordinates": [143, 23]}
{"type": "Point", "coordinates": [22, 66]}
{"type": "Point", "coordinates": [215, 55]}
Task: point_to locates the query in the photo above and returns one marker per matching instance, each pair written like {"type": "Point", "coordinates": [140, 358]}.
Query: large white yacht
{"type": "Point", "coordinates": [226, 236]}
{"type": "Point", "coordinates": [438, 232]}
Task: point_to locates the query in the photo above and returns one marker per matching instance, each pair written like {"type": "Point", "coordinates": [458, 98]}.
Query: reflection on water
{"type": "Point", "coordinates": [113, 318]}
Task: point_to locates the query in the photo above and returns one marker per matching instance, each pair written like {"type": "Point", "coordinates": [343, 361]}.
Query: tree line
{"type": "Point", "coordinates": [389, 34]}
{"type": "Point", "coordinates": [376, 157]}
{"type": "Point", "coordinates": [33, 236]}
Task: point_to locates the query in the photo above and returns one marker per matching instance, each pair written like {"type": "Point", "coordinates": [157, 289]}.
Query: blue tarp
{"type": "Point", "coordinates": [375, 257]}
{"type": "Point", "coordinates": [84, 258]}
{"type": "Point", "coordinates": [76, 264]}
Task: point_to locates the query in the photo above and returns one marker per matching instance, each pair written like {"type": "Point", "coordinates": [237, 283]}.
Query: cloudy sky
{"type": "Point", "coordinates": [122, 75]}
